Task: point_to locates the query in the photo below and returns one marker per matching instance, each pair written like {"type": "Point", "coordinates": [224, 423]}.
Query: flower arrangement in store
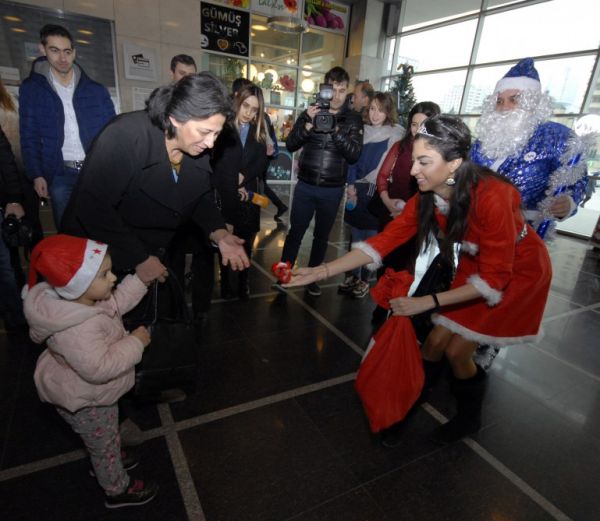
{"type": "Point", "coordinates": [287, 83]}
{"type": "Point", "coordinates": [291, 5]}
{"type": "Point", "coordinates": [318, 12]}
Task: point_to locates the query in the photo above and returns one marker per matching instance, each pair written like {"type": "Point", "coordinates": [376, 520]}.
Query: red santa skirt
{"type": "Point", "coordinates": [518, 316]}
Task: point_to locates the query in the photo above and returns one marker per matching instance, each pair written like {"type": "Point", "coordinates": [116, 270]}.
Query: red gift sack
{"type": "Point", "coordinates": [390, 378]}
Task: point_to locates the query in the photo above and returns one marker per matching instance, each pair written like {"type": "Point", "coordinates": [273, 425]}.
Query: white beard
{"type": "Point", "coordinates": [504, 134]}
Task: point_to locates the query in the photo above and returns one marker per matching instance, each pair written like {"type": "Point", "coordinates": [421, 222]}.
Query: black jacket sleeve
{"type": "Point", "coordinates": [298, 135]}
{"type": "Point", "coordinates": [349, 139]}
{"type": "Point", "coordinates": [10, 186]}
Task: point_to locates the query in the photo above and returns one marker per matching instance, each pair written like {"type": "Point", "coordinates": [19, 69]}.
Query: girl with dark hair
{"type": "Point", "coordinates": [148, 173]}
{"type": "Point", "coordinates": [503, 274]}
{"type": "Point", "coordinates": [239, 163]}
{"type": "Point", "coordinates": [394, 182]}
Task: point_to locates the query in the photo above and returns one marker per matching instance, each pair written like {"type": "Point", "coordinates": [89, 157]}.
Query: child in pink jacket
{"type": "Point", "coordinates": [89, 361]}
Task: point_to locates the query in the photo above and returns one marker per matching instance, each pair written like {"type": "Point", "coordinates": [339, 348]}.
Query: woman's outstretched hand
{"type": "Point", "coordinates": [304, 276]}
{"type": "Point", "coordinates": [409, 306]}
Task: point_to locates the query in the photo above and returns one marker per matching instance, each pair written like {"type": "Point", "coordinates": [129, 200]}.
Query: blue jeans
{"type": "Point", "coordinates": [309, 200]}
{"type": "Point", "coordinates": [60, 192]}
{"type": "Point", "coordinates": [10, 297]}
{"type": "Point", "coordinates": [357, 236]}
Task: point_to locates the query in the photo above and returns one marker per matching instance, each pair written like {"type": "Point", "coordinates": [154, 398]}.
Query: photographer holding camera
{"type": "Point", "coordinates": [11, 196]}
{"type": "Point", "coordinates": [330, 135]}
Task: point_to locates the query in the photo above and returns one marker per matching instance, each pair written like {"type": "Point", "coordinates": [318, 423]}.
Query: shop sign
{"type": "Point", "coordinates": [277, 7]}
{"type": "Point", "coordinates": [280, 168]}
{"type": "Point", "coordinates": [240, 4]}
{"type": "Point", "coordinates": [326, 15]}
{"type": "Point", "coordinates": [224, 29]}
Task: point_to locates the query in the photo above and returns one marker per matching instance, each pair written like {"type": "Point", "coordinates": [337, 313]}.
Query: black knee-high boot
{"type": "Point", "coordinates": [433, 372]}
{"type": "Point", "coordinates": [392, 436]}
{"type": "Point", "coordinates": [469, 394]}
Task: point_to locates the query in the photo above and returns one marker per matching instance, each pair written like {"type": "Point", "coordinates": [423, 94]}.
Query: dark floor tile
{"type": "Point", "coordinates": [581, 287]}
{"type": "Point", "coordinates": [267, 464]}
{"type": "Point", "coordinates": [306, 356]}
{"type": "Point", "coordinates": [574, 339]}
{"type": "Point", "coordinates": [356, 505]}
{"type": "Point", "coordinates": [68, 492]}
{"type": "Point", "coordinates": [553, 454]}
{"type": "Point", "coordinates": [230, 373]}
{"type": "Point", "coordinates": [338, 413]}
{"type": "Point", "coordinates": [452, 484]}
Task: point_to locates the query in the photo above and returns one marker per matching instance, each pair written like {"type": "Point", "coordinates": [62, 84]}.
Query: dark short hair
{"type": "Point", "coordinates": [239, 83]}
{"type": "Point", "coordinates": [54, 30]}
{"type": "Point", "coordinates": [197, 96]}
{"type": "Point", "coordinates": [367, 89]}
{"type": "Point", "coordinates": [338, 75]}
{"type": "Point", "coordinates": [186, 59]}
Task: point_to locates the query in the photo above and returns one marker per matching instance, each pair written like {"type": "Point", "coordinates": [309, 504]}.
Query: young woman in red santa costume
{"type": "Point", "coordinates": [503, 274]}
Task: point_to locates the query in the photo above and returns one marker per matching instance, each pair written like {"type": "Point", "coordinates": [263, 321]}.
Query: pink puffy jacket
{"type": "Point", "coordinates": [90, 358]}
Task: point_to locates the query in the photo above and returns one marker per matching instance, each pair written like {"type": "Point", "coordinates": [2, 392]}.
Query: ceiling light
{"type": "Point", "coordinates": [83, 42]}
{"type": "Point", "coordinates": [259, 27]}
{"type": "Point", "coordinates": [10, 18]}
{"type": "Point", "coordinates": [87, 32]}
{"type": "Point", "coordinates": [17, 30]}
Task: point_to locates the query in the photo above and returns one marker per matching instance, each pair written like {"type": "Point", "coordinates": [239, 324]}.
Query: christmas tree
{"type": "Point", "coordinates": [404, 93]}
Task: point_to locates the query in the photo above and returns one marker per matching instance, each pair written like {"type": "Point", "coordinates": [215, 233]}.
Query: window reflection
{"type": "Point", "coordinates": [565, 28]}
{"type": "Point", "coordinates": [443, 88]}
{"type": "Point", "coordinates": [273, 46]}
{"type": "Point", "coordinates": [227, 69]}
{"type": "Point", "coordinates": [309, 86]}
{"type": "Point", "coordinates": [321, 51]}
{"type": "Point", "coordinates": [425, 12]}
{"type": "Point", "coordinates": [278, 83]}
{"type": "Point", "coordinates": [422, 50]}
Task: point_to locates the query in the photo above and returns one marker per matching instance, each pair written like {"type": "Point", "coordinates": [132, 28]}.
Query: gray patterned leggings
{"type": "Point", "coordinates": [99, 430]}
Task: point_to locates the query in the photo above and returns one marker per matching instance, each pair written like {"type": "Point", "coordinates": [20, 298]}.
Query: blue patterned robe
{"type": "Point", "coordinates": [552, 163]}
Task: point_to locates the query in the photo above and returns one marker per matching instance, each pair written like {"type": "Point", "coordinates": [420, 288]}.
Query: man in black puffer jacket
{"type": "Point", "coordinates": [322, 171]}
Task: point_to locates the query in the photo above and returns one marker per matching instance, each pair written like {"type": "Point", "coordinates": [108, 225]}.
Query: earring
{"type": "Point", "coordinates": [450, 181]}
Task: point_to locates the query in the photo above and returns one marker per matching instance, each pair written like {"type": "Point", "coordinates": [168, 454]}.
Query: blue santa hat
{"type": "Point", "coordinates": [522, 76]}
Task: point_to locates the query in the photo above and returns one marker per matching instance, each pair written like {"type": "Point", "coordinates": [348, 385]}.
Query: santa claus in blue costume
{"type": "Point", "coordinates": [545, 160]}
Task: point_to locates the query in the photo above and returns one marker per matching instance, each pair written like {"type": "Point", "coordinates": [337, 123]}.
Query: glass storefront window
{"type": "Point", "coordinates": [538, 30]}
{"type": "Point", "coordinates": [565, 80]}
{"type": "Point", "coordinates": [309, 86]}
{"type": "Point", "coordinates": [321, 50]}
{"type": "Point", "coordinates": [444, 88]}
{"type": "Point", "coordinates": [226, 68]}
{"type": "Point", "coordinates": [424, 12]}
{"type": "Point", "coordinates": [441, 48]}
{"type": "Point", "coordinates": [483, 81]}
{"type": "Point", "coordinates": [273, 46]}
{"type": "Point", "coordinates": [278, 83]}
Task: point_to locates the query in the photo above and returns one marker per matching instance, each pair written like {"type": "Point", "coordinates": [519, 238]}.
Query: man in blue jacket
{"type": "Point", "coordinates": [61, 111]}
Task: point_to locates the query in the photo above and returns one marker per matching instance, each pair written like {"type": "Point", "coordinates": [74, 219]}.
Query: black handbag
{"type": "Point", "coordinates": [171, 359]}
{"type": "Point", "coordinates": [436, 279]}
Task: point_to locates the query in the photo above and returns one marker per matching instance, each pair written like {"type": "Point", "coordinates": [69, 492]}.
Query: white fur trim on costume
{"type": "Point", "coordinates": [518, 83]}
{"type": "Point", "coordinates": [80, 282]}
{"type": "Point", "coordinates": [469, 334]}
{"type": "Point", "coordinates": [491, 295]}
{"type": "Point", "coordinates": [470, 247]}
{"type": "Point", "coordinates": [367, 249]}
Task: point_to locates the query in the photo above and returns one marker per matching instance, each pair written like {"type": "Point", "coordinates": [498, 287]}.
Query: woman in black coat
{"type": "Point", "coordinates": [148, 172]}
{"type": "Point", "coordinates": [239, 163]}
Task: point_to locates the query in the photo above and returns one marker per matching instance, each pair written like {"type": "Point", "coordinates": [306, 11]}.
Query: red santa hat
{"type": "Point", "coordinates": [69, 264]}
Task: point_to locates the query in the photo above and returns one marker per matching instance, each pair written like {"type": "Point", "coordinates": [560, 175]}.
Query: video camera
{"type": "Point", "coordinates": [16, 232]}
{"type": "Point", "coordinates": [324, 121]}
